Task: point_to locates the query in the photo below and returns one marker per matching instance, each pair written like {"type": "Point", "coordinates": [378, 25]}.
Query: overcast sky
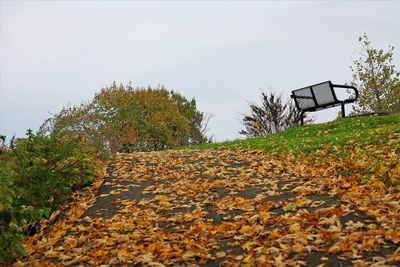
{"type": "Point", "coordinates": [222, 53]}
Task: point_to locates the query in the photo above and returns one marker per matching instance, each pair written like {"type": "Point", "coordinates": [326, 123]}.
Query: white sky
{"type": "Point", "coordinates": [222, 53]}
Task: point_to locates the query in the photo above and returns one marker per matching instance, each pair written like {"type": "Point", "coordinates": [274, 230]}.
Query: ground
{"type": "Point", "coordinates": [221, 207]}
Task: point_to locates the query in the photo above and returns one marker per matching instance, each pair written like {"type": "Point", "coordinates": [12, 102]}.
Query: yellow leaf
{"type": "Point", "coordinates": [248, 245]}
{"type": "Point", "coordinates": [294, 228]}
{"type": "Point", "coordinates": [279, 261]}
{"type": "Point", "coordinates": [220, 254]}
{"type": "Point", "coordinates": [51, 254]}
{"type": "Point", "coordinates": [246, 230]}
{"type": "Point", "coordinates": [248, 259]}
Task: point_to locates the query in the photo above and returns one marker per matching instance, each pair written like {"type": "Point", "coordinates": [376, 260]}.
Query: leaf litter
{"type": "Point", "coordinates": [221, 207]}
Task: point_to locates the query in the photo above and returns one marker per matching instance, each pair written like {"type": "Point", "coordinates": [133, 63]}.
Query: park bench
{"type": "Point", "coordinates": [320, 96]}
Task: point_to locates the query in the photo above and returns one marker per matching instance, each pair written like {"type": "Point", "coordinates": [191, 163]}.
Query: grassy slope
{"type": "Point", "coordinates": [307, 139]}
{"type": "Point", "coordinates": [361, 147]}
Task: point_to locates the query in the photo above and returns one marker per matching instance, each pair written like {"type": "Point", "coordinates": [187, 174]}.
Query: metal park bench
{"type": "Point", "coordinates": [320, 96]}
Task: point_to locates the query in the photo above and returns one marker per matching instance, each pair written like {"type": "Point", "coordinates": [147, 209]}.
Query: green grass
{"type": "Point", "coordinates": [331, 136]}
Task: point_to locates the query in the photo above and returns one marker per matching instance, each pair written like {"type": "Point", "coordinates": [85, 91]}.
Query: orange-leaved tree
{"type": "Point", "coordinates": [123, 119]}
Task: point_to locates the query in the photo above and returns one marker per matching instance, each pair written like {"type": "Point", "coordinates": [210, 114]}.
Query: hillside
{"type": "Point", "coordinates": [292, 204]}
{"type": "Point", "coordinates": [366, 147]}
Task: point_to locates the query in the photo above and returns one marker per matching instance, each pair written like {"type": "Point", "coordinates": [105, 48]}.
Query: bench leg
{"type": "Point", "coordinates": [302, 118]}
{"type": "Point", "coordinates": [343, 110]}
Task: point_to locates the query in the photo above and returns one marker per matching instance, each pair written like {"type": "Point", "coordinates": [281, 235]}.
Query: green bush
{"type": "Point", "coordinates": [36, 174]}
{"type": "Point", "coordinates": [10, 224]}
{"type": "Point", "coordinates": [13, 217]}
{"type": "Point", "coordinates": [48, 169]}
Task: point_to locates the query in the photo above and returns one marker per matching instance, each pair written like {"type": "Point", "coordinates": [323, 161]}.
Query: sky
{"type": "Point", "coordinates": [222, 53]}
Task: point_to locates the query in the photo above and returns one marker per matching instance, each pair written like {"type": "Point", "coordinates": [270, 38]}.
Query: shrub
{"type": "Point", "coordinates": [10, 223]}
{"type": "Point", "coordinates": [273, 115]}
{"type": "Point", "coordinates": [36, 175]}
{"type": "Point", "coordinates": [48, 168]}
{"type": "Point", "coordinates": [13, 217]}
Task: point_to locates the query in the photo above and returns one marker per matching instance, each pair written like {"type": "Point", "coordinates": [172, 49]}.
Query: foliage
{"type": "Point", "coordinates": [13, 217]}
{"type": "Point", "coordinates": [48, 168]}
{"type": "Point", "coordinates": [2, 144]}
{"type": "Point", "coordinates": [10, 225]}
{"type": "Point", "coordinates": [272, 116]}
{"type": "Point", "coordinates": [36, 175]}
{"type": "Point", "coordinates": [40, 172]}
{"type": "Point", "coordinates": [376, 78]}
{"type": "Point", "coordinates": [366, 146]}
{"type": "Point", "coordinates": [229, 208]}
{"type": "Point", "coordinates": [122, 118]}
{"type": "Point", "coordinates": [198, 121]}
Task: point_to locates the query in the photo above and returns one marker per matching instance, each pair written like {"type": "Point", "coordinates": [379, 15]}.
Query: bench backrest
{"type": "Point", "coordinates": [315, 96]}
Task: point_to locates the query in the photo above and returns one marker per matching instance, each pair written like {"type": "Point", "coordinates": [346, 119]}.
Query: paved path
{"type": "Point", "coordinates": [216, 208]}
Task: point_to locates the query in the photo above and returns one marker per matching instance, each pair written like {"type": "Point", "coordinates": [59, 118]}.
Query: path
{"type": "Point", "coordinates": [220, 208]}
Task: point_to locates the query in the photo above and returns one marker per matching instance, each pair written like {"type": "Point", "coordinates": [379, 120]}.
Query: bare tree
{"type": "Point", "coordinates": [273, 115]}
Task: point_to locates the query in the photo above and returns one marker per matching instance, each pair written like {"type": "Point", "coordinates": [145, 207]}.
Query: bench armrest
{"type": "Point", "coordinates": [348, 87]}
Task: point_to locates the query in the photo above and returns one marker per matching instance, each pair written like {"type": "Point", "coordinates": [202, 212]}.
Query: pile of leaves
{"type": "Point", "coordinates": [224, 207]}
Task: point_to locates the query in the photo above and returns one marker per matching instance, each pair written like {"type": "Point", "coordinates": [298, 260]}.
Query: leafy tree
{"type": "Point", "coordinates": [272, 116]}
{"type": "Point", "coordinates": [376, 78]}
{"type": "Point", "coordinates": [198, 121]}
{"type": "Point", "coordinates": [2, 143]}
{"type": "Point", "coordinates": [123, 119]}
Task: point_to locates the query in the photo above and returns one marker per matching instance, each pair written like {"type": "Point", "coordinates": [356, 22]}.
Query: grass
{"type": "Point", "coordinates": [365, 148]}
{"type": "Point", "coordinates": [363, 131]}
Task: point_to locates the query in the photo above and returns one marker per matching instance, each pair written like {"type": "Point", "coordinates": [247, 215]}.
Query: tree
{"type": "Point", "coordinates": [123, 119]}
{"type": "Point", "coordinates": [376, 78]}
{"type": "Point", "coordinates": [2, 143]}
{"type": "Point", "coordinates": [274, 115]}
{"type": "Point", "coordinates": [198, 121]}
